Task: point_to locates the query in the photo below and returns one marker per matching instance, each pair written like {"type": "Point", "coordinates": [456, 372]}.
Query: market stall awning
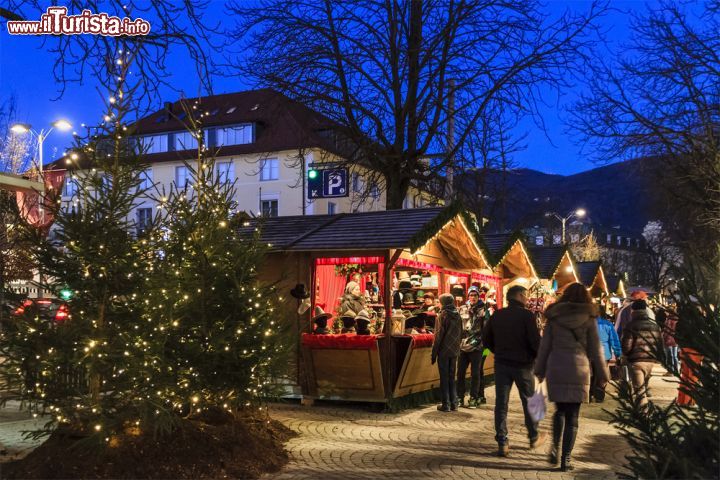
{"type": "Point", "coordinates": [616, 285]}
{"type": "Point", "coordinates": [592, 276]}
{"type": "Point", "coordinates": [409, 229]}
{"type": "Point", "coordinates": [554, 263]}
{"type": "Point", "coordinates": [510, 255]}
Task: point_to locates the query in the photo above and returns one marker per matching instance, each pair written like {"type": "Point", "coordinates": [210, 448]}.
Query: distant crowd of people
{"type": "Point", "coordinates": [572, 352]}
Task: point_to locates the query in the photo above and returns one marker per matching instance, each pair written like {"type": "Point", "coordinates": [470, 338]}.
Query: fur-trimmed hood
{"type": "Point", "coordinates": [571, 315]}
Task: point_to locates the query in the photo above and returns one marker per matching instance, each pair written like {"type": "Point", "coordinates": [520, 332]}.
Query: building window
{"type": "Point", "coordinates": [356, 183]}
{"type": "Point", "coordinates": [619, 240]}
{"type": "Point", "coordinates": [225, 172]}
{"type": "Point", "coordinates": [557, 239]}
{"type": "Point", "coordinates": [144, 219]}
{"type": "Point", "coordinates": [627, 241]}
{"type": "Point", "coordinates": [235, 135]}
{"type": "Point", "coordinates": [181, 177]}
{"type": "Point", "coordinates": [375, 192]}
{"type": "Point", "coordinates": [70, 188]}
{"type": "Point", "coordinates": [332, 207]}
{"type": "Point", "coordinates": [539, 240]}
{"type": "Point", "coordinates": [185, 141]}
{"type": "Point", "coordinates": [269, 208]}
{"type": "Point", "coordinates": [637, 243]}
{"type": "Point", "coordinates": [575, 237]}
{"type": "Point", "coordinates": [146, 180]}
{"type": "Point", "coordinates": [269, 169]}
{"type": "Point", "coordinates": [154, 143]}
{"type": "Point", "coordinates": [608, 239]}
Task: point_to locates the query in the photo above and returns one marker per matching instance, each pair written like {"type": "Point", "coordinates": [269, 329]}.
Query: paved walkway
{"type": "Point", "coordinates": [353, 442]}
{"type": "Point", "coordinates": [342, 442]}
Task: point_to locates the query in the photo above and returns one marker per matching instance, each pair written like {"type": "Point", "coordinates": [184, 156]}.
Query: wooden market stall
{"type": "Point", "coordinates": [393, 261]}
{"type": "Point", "coordinates": [616, 286]}
{"type": "Point", "coordinates": [511, 261]}
{"type": "Point", "coordinates": [556, 269]}
{"type": "Point", "coordinates": [592, 276]}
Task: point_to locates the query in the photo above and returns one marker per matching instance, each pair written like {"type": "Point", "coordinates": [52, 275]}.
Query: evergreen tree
{"type": "Point", "coordinates": [678, 441]}
{"type": "Point", "coordinates": [86, 370]}
{"type": "Point", "coordinates": [222, 340]}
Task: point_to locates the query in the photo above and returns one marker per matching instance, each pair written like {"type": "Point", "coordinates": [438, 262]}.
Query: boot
{"type": "Point", "coordinates": [567, 446]}
{"type": "Point", "coordinates": [566, 464]}
{"type": "Point", "coordinates": [553, 455]}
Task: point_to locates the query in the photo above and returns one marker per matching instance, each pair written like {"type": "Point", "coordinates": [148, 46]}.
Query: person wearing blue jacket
{"type": "Point", "coordinates": [611, 345]}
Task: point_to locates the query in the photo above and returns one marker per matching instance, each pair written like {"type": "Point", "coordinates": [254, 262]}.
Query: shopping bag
{"type": "Point", "coordinates": [536, 403]}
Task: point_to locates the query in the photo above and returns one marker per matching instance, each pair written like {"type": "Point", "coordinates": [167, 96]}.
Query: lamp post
{"type": "Point", "coordinates": [579, 213]}
{"type": "Point", "coordinates": [24, 128]}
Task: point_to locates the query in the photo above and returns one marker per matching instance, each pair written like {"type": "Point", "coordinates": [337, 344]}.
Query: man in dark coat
{"type": "Point", "coordinates": [513, 337]}
{"type": "Point", "coordinates": [641, 343]}
{"type": "Point", "coordinates": [445, 350]}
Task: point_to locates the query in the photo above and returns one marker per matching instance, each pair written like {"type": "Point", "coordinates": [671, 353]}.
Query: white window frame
{"type": "Point", "coordinates": [270, 199]}
{"type": "Point", "coordinates": [225, 171]}
{"type": "Point", "coordinates": [140, 226]}
{"type": "Point", "coordinates": [153, 143]}
{"type": "Point", "coordinates": [146, 179]}
{"type": "Point", "coordinates": [241, 134]}
{"type": "Point", "coordinates": [69, 191]}
{"type": "Point", "coordinates": [185, 176]}
{"type": "Point", "coordinates": [539, 240]}
{"type": "Point", "coordinates": [557, 239]}
{"type": "Point", "coordinates": [185, 141]}
{"type": "Point", "coordinates": [268, 168]}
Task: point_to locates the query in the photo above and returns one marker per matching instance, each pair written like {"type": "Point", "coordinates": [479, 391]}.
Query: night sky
{"type": "Point", "coordinates": [26, 72]}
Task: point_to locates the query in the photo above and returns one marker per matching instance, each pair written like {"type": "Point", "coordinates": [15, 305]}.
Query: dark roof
{"type": "Point", "coordinates": [587, 272]}
{"type": "Point", "coordinates": [546, 259]}
{"type": "Point", "coordinates": [346, 231]}
{"type": "Point", "coordinates": [281, 124]}
{"type": "Point", "coordinates": [497, 243]}
{"type": "Point", "coordinates": [613, 282]}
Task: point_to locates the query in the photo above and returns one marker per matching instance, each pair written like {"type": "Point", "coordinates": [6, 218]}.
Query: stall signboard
{"type": "Point", "coordinates": [328, 183]}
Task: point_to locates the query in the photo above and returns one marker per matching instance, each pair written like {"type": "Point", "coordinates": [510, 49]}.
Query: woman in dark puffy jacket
{"type": "Point", "coordinates": [641, 344]}
{"type": "Point", "coordinates": [569, 351]}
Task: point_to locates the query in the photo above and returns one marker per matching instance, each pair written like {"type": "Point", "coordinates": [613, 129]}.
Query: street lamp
{"type": "Point", "coordinates": [23, 128]}
{"type": "Point", "coordinates": [579, 213]}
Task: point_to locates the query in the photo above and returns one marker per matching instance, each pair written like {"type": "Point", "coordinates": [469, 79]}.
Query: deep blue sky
{"type": "Point", "coordinates": [26, 72]}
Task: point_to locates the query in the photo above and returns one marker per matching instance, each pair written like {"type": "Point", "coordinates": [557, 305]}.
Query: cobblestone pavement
{"type": "Point", "coordinates": [354, 442]}
{"type": "Point", "coordinates": [343, 442]}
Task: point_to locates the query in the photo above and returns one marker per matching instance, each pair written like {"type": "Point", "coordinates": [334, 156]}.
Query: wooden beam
{"type": "Point", "coordinates": [16, 183]}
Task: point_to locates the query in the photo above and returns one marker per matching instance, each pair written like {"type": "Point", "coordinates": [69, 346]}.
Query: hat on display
{"type": "Point", "coordinates": [304, 306]}
{"type": "Point", "coordinates": [405, 285]}
{"type": "Point", "coordinates": [420, 293]}
{"type": "Point", "coordinates": [300, 292]}
{"type": "Point", "coordinates": [320, 313]}
{"type": "Point", "coordinates": [457, 290]}
{"type": "Point", "coordinates": [416, 280]}
{"type": "Point", "coordinates": [403, 275]}
{"type": "Point", "coordinates": [348, 323]}
{"type": "Point", "coordinates": [362, 320]}
{"type": "Point", "coordinates": [408, 298]}
{"type": "Point", "coordinates": [320, 320]}
{"type": "Point", "coordinates": [348, 314]}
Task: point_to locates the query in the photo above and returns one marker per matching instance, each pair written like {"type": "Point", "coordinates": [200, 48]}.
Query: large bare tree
{"type": "Point", "coordinates": [661, 99]}
{"type": "Point", "coordinates": [385, 70]}
{"type": "Point", "coordinates": [176, 27]}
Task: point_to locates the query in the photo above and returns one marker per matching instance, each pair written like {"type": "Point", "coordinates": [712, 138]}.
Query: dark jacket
{"type": "Point", "coordinates": [448, 333]}
{"type": "Point", "coordinates": [353, 303]}
{"type": "Point", "coordinates": [669, 331]}
{"type": "Point", "coordinates": [570, 350]}
{"type": "Point", "coordinates": [641, 338]}
{"type": "Point", "coordinates": [472, 331]}
{"type": "Point", "coordinates": [512, 335]}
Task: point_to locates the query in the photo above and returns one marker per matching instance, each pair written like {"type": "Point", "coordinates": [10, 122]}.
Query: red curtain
{"type": "Point", "coordinates": [29, 202]}
{"type": "Point", "coordinates": [330, 288]}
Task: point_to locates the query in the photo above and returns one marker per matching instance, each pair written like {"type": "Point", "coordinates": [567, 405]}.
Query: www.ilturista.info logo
{"type": "Point", "coordinates": [56, 21]}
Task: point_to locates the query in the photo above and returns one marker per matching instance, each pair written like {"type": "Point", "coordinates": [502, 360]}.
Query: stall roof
{"type": "Point", "coordinates": [547, 259]}
{"type": "Point", "coordinates": [498, 244]}
{"type": "Point", "coordinates": [615, 284]}
{"type": "Point", "coordinates": [587, 271]}
{"type": "Point", "coordinates": [407, 228]}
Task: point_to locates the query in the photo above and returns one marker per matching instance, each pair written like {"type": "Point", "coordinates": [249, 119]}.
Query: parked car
{"type": "Point", "coordinates": [50, 309]}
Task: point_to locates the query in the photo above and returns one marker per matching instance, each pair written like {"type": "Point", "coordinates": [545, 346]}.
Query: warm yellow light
{"type": "Point", "coordinates": [20, 128]}
{"type": "Point", "coordinates": [569, 269]}
{"type": "Point", "coordinates": [63, 125]}
{"type": "Point", "coordinates": [580, 212]}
